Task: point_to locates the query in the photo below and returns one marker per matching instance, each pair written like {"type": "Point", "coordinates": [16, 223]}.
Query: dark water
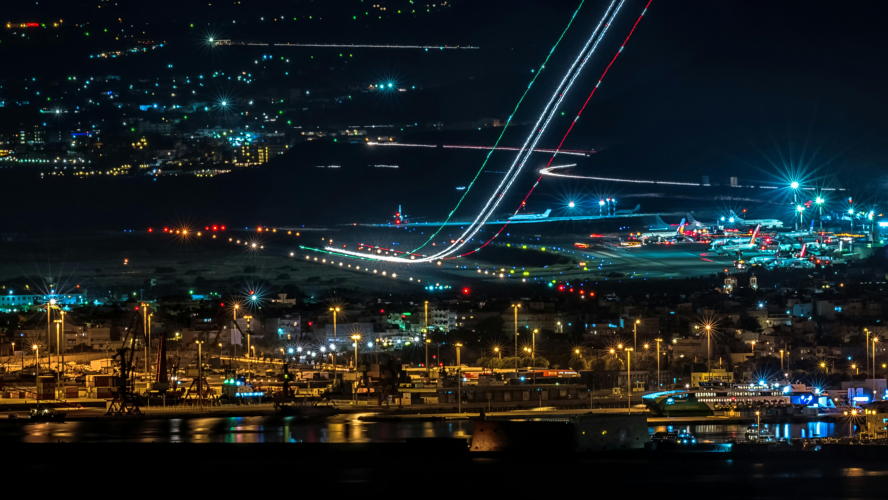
{"type": "Point", "coordinates": [342, 429]}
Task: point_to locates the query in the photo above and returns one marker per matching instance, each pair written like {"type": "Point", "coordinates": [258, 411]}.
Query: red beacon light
{"type": "Point", "coordinates": [150, 230]}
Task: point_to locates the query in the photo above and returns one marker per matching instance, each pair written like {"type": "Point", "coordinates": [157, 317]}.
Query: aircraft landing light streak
{"type": "Point", "coordinates": [538, 130]}
{"type": "Point", "coordinates": [485, 148]}
{"type": "Point", "coordinates": [524, 201]}
{"type": "Point", "coordinates": [506, 127]}
{"type": "Point", "coordinates": [345, 45]}
{"type": "Point", "coordinates": [550, 172]}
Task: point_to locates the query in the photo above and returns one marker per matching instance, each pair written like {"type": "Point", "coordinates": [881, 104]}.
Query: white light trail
{"type": "Point", "coordinates": [377, 46]}
{"type": "Point", "coordinates": [347, 45]}
{"type": "Point", "coordinates": [485, 148]}
{"type": "Point", "coordinates": [557, 98]}
{"type": "Point", "coordinates": [538, 130]}
{"type": "Point", "coordinates": [549, 172]}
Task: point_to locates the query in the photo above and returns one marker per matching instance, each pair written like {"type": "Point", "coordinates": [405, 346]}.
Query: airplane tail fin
{"type": "Point", "coordinates": [547, 212]}
{"type": "Point", "coordinates": [681, 227]}
{"type": "Point", "coordinates": [636, 209]}
{"type": "Point", "coordinates": [754, 234]}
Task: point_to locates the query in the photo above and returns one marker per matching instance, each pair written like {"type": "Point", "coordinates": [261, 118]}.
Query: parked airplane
{"type": "Point", "coordinates": [543, 215]}
{"type": "Point", "coordinates": [665, 235]}
{"type": "Point", "coordinates": [627, 212]}
{"type": "Point", "coordinates": [739, 247]}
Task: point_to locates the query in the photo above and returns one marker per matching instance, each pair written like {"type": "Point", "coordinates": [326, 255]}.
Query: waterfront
{"type": "Point", "coordinates": [343, 429]}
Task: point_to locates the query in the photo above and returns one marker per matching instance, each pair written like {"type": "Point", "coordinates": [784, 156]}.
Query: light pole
{"type": "Point", "coordinates": [356, 338]}
{"type": "Point", "coordinates": [801, 210]}
{"type": "Point", "coordinates": [781, 359]}
{"type": "Point", "coordinates": [427, 341]}
{"type": "Point", "coordinates": [147, 338]}
{"type": "Point", "coordinates": [335, 310]}
{"type": "Point", "coordinates": [234, 325]}
{"type": "Point", "coordinates": [533, 354]}
{"type": "Point", "coordinates": [629, 375]}
{"type": "Point", "coordinates": [516, 307]}
{"type": "Point", "coordinates": [248, 318]}
{"type": "Point", "coordinates": [867, 332]}
{"type": "Point", "coordinates": [62, 314]}
{"type": "Point", "coordinates": [458, 379]}
{"type": "Point", "coordinates": [49, 327]}
{"type": "Point", "coordinates": [635, 334]}
{"type": "Point", "coordinates": [199, 372]}
{"type": "Point", "coordinates": [709, 351]}
{"type": "Point", "coordinates": [875, 340]}
{"type": "Point", "coordinates": [851, 422]}
{"type": "Point", "coordinates": [819, 202]}
{"type": "Point", "coordinates": [854, 367]}
{"type": "Point", "coordinates": [58, 353]}
{"type": "Point", "coordinates": [497, 350]}
{"type": "Point", "coordinates": [795, 192]}
{"type": "Point", "coordinates": [758, 423]}
{"type": "Point", "coordinates": [600, 207]}
{"type": "Point", "coordinates": [37, 372]}
{"type": "Point", "coordinates": [658, 361]}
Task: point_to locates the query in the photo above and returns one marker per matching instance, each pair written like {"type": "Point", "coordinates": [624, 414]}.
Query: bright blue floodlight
{"type": "Point", "coordinates": [794, 185]}
{"type": "Point", "coordinates": [601, 203]}
{"type": "Point", "coordinates": [571, 204]}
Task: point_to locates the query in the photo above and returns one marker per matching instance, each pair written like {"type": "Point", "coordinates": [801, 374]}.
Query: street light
{"type": "Point", "coordinates": [635, 333]}
{"type": "Point", "coordinates": [629, 375]}
{"type": "Point", "coordinates": [37, 363]}
{"type": "Point", "coordinates": [356, 338]}
{"type": "Point", "coordinates": [516, 307]}
{"type": "Point", "coordinates": [458, 379]}
{"type": "Point", "coordinates": [709, 350]}
{"type": "Point", "coordinates": [658, 361]}
{"type": "Point", "coordinates": [875, 341]}
{"type": "Point", "coordinates": [758, 422]}
{"type": "Point", "coordinates": [500, 354]}
{"type": "Point", "coordinates": [334, 310]}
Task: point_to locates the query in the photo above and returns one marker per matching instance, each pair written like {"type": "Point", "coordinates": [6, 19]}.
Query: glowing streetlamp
{"type": "Point", "coordinates": [516, 307]}
{"type": "Point", "coordinates": [334, 310]}
{"type": "Point", "coordinates": [658, 360]}
{"type": "Point", "coordinates": [458, 379]}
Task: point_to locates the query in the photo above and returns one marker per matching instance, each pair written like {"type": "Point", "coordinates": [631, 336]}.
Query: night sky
{"type": "Point", "coordinates": [727, 88]}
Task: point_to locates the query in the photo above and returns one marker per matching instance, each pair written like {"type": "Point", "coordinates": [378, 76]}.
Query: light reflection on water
{"type": "Point", "coordinates": [341, 429]}
{"type": "Point", "coordinates": [728, 432]}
